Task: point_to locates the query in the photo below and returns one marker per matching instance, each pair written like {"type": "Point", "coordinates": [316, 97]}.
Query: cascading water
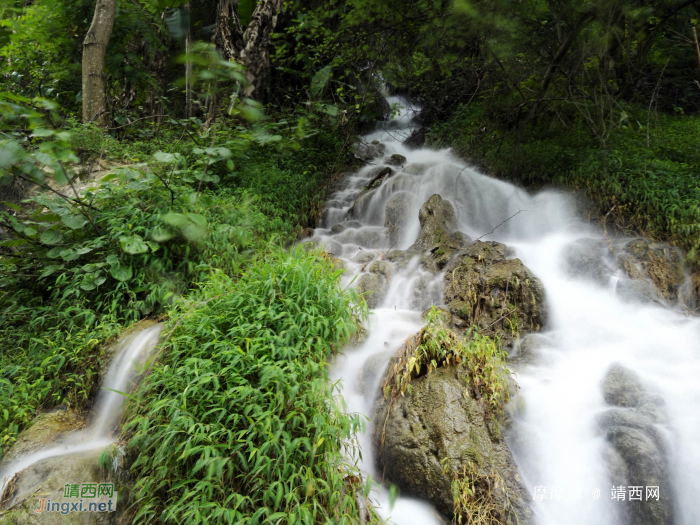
{"type": "Point", "coordinates": [131, 354]}
{"type": "Point", "coordinates": [556, 436]}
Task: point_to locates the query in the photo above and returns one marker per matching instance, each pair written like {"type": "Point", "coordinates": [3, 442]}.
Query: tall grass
{"type": "Point", "coordinates": [235, 423]}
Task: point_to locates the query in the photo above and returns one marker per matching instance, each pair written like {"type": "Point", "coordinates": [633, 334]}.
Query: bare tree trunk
{"type": "Point", "coordinates": [94, 48]}
{"type": "Point", "coordinates": [188, 70]}
{"type": "Point", "coordinates": [249, 48]}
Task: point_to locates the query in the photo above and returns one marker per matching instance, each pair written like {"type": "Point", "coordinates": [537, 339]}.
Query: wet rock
{"type": "Point", "coordinates": [396, 215]}
{"type": "Point", "coordinates": [369, 151]}
{"type": "Point", "coordinates": [660, 263]}
{"type": "Point", "coordinates": [46, 430]}
{"type": "Point", "coordinates": [47, 478]}
{"type": "Point", "coordinates": [338, 228]}
{"type": "Point", "coordinates": [499, 295]}
{"type": "Point", "coordinates": [382, 269]}
{"type": "Point", "coordinates": [400, 258]}
{"type": "Point", "coordinates": [636, 291]}
{"type": "Point", "coordinates": [373, 288]}
{"type": "Point", "coordinates": [369, 238]}
{"type": "Point", "coordinates": [416, 168]}
{"type": "Point", "coordinates": [306, 232]}
{"type": "Point", "coordinates": [396, 160]}
{"type": "Point", "coordinates": [622, 387]}
{"type": "Point", "coordinates": [587, 259]}
{"type": "Point", "coordinates": [359, 207]}
{"type": "Point", "coordinates": [649, 272]}
{"type": "Point", "coordinates": [364, 257]}
{"type": "Point", "coordinates": [437, 221]}
{"type": "Point", "coordinates": [437, 422]}
{"type": "Point", "coordinates": [381, 175]}
{"type": "Point", "coordinates": [636, 454]}
{"type": "Point", "coordinates": [527, 351]}
{"type": "Point", "coordinates": [371, 371]}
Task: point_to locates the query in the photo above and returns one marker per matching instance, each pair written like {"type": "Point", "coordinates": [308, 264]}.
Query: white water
{"type": "Point", "coordinates": [589, 329]}
{"type": "Point", "coordinates": [128, 359]}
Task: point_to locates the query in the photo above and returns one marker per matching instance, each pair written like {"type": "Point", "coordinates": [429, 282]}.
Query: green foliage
{"type": "Point", "coordinates": [235, 424]}
{"type": "Point", "coordinates": [437, 346]}
{"type": "Point", "coordinates": [51, 360]}
{"type": "Point", "coordinates": [648, 171]}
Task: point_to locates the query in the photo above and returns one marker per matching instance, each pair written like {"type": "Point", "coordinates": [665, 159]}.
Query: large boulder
{"type": "Point", "coordinates": [369, 151]}
{"type": "Point", "coordinates": [483, 287]}
{"type": "Point", "coordinates": [660, 263]}
{"type": "Point", "coordinates": [372, 287]}
{"type": "Point", "coordinates": [437, 221]}
{"type": "Point", "coordinates": [648, 272]}
{"type": "Point", "coordinates": [438, 429]}
{"type": "Point", "coordinates": [636, 450]}
{"type": "Point", "coordinates": [396, 214]}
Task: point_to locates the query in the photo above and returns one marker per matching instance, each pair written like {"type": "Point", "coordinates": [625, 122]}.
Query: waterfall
{"type": "Point", "coordinates": [129, 357]}
{"type": "Point", "coordinates": [556, 435]}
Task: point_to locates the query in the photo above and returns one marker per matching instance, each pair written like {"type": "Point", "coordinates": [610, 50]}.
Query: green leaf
{"type": "Point", "coordinates": [48, 270]}
{"type": "Point", "coordinates": [10, 153]}
{"type": "Point", "coordinates": [29, 231]}
{"type": "Point", "coordinates": [74, 222]}
{"type": "Point", "coordinates": [42, 132]}
{"type": "Point", "coordinates": [318, 83]}
{"type": "Point", "coordinates": [121, 272]}
{"type": "Point", "coordinates": [51, 237]}
{"type": "Point", "coordinates": [161, 235]}
{"type": "Point", "coordinates": [133, 244]}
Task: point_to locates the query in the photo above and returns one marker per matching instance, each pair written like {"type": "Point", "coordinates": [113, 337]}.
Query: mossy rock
{"type": "Point", "coordinates": [498, 295]}
{"type": "Point", "coordinates": [437, 421]}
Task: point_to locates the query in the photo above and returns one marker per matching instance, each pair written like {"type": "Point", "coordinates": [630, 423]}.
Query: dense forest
{"type": "Point", "coordinates": [159, 159]}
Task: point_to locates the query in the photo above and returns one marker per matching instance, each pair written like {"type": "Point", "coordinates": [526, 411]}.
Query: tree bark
{"type": "Point", "coordinates": [249, 47]}
{"type": "Point", "coordinates": [94, 49]}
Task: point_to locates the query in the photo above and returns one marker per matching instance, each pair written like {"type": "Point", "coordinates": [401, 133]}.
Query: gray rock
{"type": "Point", "coordinates": [373, 288]}
{"type": "Point", "coordinates": [586, 259]}
{"type": "Point", "coordinates": [659, 263]}
{"type": "Point", "coordinates": [622, 387]}
{"type": "Point", "coordinates": [338, 228]}
{"type": "Point", "coordinates": [371, 371]}
{"type": "Point", "coordinates": [369, 151]}
{"type": "Point", "coordinates": [527, 351]}
{"type": "Point", "coordinates": [396, 160]}
{"type": "Point", "coordinates": [383, 269]}
{"type": "Point", "coordinates": [499, 295]}
{"type": "Point", "coordinates": [636, 291]}
{"type": "Point", "coordinates": [396, 215]}
{"type": "Point", "coordinates": [437, 221]}
{"type": "Point", "coordinates": [364, 257]}
{"type": "Point", "coordinates": [636, 454]}
{"type": "Point", "coordinates": [437, 422]}
{"type": "Point", "coordinates": [416, 168]}
{"type": "Point", "coordinates": [378, 175]}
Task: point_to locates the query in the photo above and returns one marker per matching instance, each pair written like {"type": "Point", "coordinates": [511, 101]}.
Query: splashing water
{"type": "Point", "coordinates": [590, 328]}
{"type": "Point", "coordinates": [129, 357]}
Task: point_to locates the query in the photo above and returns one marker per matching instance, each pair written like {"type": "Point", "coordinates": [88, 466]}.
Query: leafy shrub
{"type": "Point", "coordinates": [235, 423]}
{"type": "Point", "coordinates": [437, 346]}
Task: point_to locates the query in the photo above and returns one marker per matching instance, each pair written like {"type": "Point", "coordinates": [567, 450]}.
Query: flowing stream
{"type": "Point", "coordinates": [128, 358]}
{"type": "Point", "coordinates": [590, 328]}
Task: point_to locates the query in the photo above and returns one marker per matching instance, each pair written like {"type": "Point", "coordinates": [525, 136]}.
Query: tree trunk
{"type": "Point", "coordinates": [94, 48]}
{"type": "Point", "coordinates": [249, 47]}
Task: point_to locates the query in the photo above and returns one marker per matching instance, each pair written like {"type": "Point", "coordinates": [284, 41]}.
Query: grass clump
{"type": "Point", "coordinates": [476, 498]}
{"type": "Point", "coordinates": [438, 346]}
{"type": "Point", "coordinates": [235, 423]}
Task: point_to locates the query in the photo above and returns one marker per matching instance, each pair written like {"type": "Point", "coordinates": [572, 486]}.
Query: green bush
{"type": "Point", "coordinates": [235, 423]}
